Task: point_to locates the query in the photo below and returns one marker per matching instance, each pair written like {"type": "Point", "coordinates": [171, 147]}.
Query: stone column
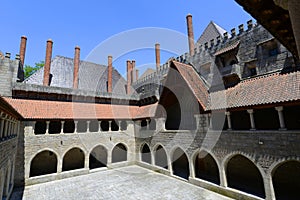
{"type": "Point", "coordinates": [99, 126]}
{"type": "Point", "coordinates": [88, 126]}
{"type": "Point", "coordinates": [1, 127]}
{"type": "Point", "coordinates": [223, 179]}
{"type": "Point", "coordinates": [281, 117]}
{"type": "Point", "coordinates": [59, 165]}
{"type": "Point", "coordinates": [210, 125]}
{"type": "Point", "coordinates": [9, 127]}
{"type": "Point", "coordinates": [269, 189]}
{"type": "Point", "coordinates": [47, 127]}
{"type": "Point", "coordinates": [148, 124]}
{"type": "Point", "coordinates": [5, 127]}
{"type": "Point", "coordinates": [75, 128]}
{"type": "Point", "coordinates": [228, 120]}
{"type": "Point", "coordinates": [251, 119]}
{"type": "Point", "coordinates": [62, 127]}
{"type": "Point", "coordinates": [120, 125]}
{"type": "Point", "coordinates": [109, 126]}
{"type": "Point", "coordinates": [197, 117]}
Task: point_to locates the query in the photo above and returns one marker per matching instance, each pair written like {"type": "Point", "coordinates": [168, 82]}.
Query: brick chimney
{"type": "Point", "coordinates": [133, 78]}
{"type": "Point", "coordinates": [23, 49]}
{"type": "Point", "coordinates": [157, 55]}
{"type": "Point", "coordinates": [109, 75]}
{"type": "Point", "coordinates": [46, 81]}
{"type": "Point", "coordinates": [76, 67]}
{"type": "Point", "coordinates": [190, 34]}
{"type": "Point", "coordinates": [129, 69]}
{"type": "Point", "coordinates": [137, 74]}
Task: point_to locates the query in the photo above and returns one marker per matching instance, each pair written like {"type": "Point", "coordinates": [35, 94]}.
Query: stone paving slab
{"type": "Point", "coordinates": [125, 183]}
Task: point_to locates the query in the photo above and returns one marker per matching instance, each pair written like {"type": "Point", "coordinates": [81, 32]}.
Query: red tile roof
{"type": "Point", "coordinates": [268, 89]}
{"type": "Point", "coordinates": [34, 109]}
{"type": "Point", "coordinates": [194, 81]}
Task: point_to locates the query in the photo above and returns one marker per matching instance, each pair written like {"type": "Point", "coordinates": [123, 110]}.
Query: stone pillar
{"type": "Point", "coordinates": [160, 124]}
{"type": "Point", "coordinates": [109, 126]}
{"type": "Point", "coordinates": [281, 117]}
{"type": "Point", "coordinates": [1, 127]}
{"type": "Point", "coordinates": [210, 124]}
{"type": "Point", "coordinates": [119, 125]}
{"type": "Point", "coordinates": [75, 124]}
{"type": "Point", "coordinates": [5, 127]}
{"type": "Point", "coordinates": [197, 117]}
{"type": "Point", "coordinates": [47, 127]}
{"type": "Point", "coordinates": [192, 170]}
{"type": "Point", "coordinates": [59, 165]}
{"type": "Point", "coordinates": [88, 126]}
{"type": "Point", "coordinates": [170, 168]}
{"type": "Point", "coordinates": [223, 180]}
{"type": "Point", "coordinates": [251, 119]}
{"type": "Point", "coordinates": [228, 120]}
{"type": "Point", "coordinates": [62, 127]}
{"type": "Point", "coordinates": [148, 124]}
{"type": "Point", "coordinates": [46, 81]}
{"type": "Point", "coordinates": [99, 126]}
{"type": "Point", "coordinates": [269, 189]}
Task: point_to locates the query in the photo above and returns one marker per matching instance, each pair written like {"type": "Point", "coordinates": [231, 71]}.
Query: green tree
{"type": "Point", "coordinates": [28, 70]}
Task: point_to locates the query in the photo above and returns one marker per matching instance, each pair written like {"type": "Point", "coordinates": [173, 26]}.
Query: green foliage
{"type": "Point", "coordinates": [28, 70]}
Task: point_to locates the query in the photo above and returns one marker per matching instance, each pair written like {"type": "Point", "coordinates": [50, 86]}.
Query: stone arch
{"type": "Point", "coordinates": [243, 174]}
{"type": "Point", "coordinates": [98, 157]}
{"type": "Point", "coordinates": [43, 163]}
{"type": "Point", "coordinates": [206, 166]}
{"type": "Point", "coordinates": [73, 159]}
{"type": "Point", "coordinates": [160, 156]}
{"type": "Point", "coordinates": [286, 179]}
{"type": "Point", "coordinates": [145, 153]}
{"type": "Point", "coordinates": [119, 153]}
{"type": "Point", "coordinates": [180, 163]}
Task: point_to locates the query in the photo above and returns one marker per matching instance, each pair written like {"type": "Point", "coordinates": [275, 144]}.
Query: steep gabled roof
{"type": "Point", "coordinates": [212, 31]}
{"type": "Point", "coordinates": [92, 77]}
{"type": "Point", "coordinates": [268, 89]}
{"type": "Point", "coordinates": [194, 82]}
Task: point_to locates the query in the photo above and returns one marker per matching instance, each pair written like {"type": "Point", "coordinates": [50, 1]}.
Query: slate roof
{"type": "Point", "coordinates": [194, 81]}
{"type": "Point", "coordinates": [267, 89]}
{"type": "Point", "coordinates": [147, 72]}
{"type": "Point", "coordinates": [92, 77]}
{"type": "Point", "coordinates": [212, 31]}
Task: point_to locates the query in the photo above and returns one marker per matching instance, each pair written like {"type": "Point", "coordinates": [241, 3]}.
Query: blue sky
{"type": "Point", "coordinates": [91, 23]}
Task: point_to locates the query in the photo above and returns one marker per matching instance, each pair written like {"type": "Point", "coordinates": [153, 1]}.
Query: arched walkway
{"type": "Point", "coordinates": [180, 164]}
{"type": "Point", "coordinates": [206, 168]}
{"type": "Point", "coordinates": [286, 180]}
{"type": "Point", "coordinates": [146, 154]}
{"type": "Point", "coordinates": [242, 174]}
{"type": "Point", "coordinates": [98, 157]}
{"type": "Point", "coordinates": [160, 156]}
{"type": "Point", "coordinates": [43, 163]}
{"type": "Point", "coordinates": [119, 153]}
{"type": "Point", "coordinates": [73, 159]}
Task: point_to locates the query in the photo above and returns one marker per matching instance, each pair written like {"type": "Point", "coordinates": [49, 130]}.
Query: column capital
{"type": "Point", "coordinates": [279, 108]}
{"type": "Point", "coordinates": [227, 113]}
{"type": "Point", "coordinates": [250, 111]}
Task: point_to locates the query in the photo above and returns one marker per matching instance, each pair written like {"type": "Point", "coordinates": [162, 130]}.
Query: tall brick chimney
{"type": "Point", "coordinates": [23, 49]}
{"type": "Point", "coordinates": [157, 55]}
{"type": "Point", "coordinates": [46, 81]}
{"type": "Point", "coordinates": [109, 75]}
{"type": "Point", "coordinates": [76, 67]}
{"type": "Point", "coordinates": [129, 69]}
{"type": "Point", "coordinates": [190, 34]}
{"type": "Point", "coordinates": [133, 78]}
{"type": "Point", "coordinates": [137, 74]}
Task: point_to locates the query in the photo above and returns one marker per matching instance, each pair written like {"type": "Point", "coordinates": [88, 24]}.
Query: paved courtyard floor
{"type": "Point", "coordinates": [126, 183]}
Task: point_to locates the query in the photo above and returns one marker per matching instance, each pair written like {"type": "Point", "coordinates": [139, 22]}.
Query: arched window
{"type": "Point", "coordinates": [119, 153]}
{"type": "Point", "coordinates": [286, 180]}
{"type": "Point", "coordinates": [160, 156]}
{"type": "Point", "coordinates": [242, 174]}
{"type": "Point", "coordinates": [43, 163]}
{"type": "Point", "coordinates": [98, 157]}
{"type": "Point", "coordinates": [180, 164]}
{"type": "Point", "coordinates": [73, 159]}
{"type": "Point", "coordinates": [146, 154]}
{"type": "Point", "coordinates": [206, 168]}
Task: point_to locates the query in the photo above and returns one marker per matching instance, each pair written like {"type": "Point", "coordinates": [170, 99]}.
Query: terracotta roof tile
{"type": "Point", "coordinates": [194, 81]}
{"type": "Point", "coordinates": [34, 109]}
{"type": "Point", "coordinates": [227, 48]}
{"type": "Point", "coordinates": [268, 89]}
